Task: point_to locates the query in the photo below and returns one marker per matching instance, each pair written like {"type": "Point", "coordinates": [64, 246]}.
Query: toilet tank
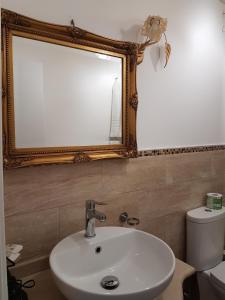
{"type": "Point", "coordinates": [205, 237]}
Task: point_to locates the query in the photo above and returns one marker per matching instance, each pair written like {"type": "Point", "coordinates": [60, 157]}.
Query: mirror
{"type": "Point", "coordinates": [68, 95]}
{"type": "Point", "coordinates": [65, 96]}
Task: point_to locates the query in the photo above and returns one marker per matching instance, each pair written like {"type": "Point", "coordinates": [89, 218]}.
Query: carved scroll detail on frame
{"type": "Point", "coordinates": [72, 36]}
{"type": "Point", "coordinates": [15, 163]}
{"type": "Point", "coordinates": [9, 17]}
{"type": "Point", "coordinates": [3, 92]}
{"type": "Point", "coordinates": [132, 148]}
{"type": "Point", "coordinates": [134, 102]}
{"type": "Point", "coordinates": [133, 49]}
{"type": "Point", "coordinates": [81, 157]}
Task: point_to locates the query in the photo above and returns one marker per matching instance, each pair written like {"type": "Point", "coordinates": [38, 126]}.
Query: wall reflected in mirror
{"type": "Point", "coordinates": [65, 96]}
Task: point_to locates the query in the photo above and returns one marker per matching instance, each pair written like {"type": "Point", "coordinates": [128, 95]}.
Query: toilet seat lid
{"type": "Point", "coordinates": [218, 275]}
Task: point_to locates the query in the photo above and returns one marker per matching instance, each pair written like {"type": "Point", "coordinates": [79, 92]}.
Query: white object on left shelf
{"type": "Point", "coordinates": [13, 251]}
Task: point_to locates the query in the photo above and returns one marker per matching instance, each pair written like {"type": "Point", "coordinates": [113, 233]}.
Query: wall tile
{"type": "Point", "coordinates": [155, 226]}
{"type": "Point", "coordinates": [47, 187]}
{"type": "Point", "coordinates": [71, 220]}
{"type": "Point", "coordinates": [175, 237]}
{"type": "Point", "coordinates": [218, 160]}
{"type": "Point", "coordinates": [37, 232]}
{"type": "Point", "coordinates": [144, 173]}
{"type": "Point", "coordinates": [45, 204]}
{"type": "Point", "coordinates": [190, 166]}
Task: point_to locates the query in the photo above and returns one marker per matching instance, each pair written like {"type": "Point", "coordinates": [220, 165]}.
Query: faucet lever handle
{"type": "Point", "coordinates": [90, 204]}
{"type": "Point", "coordinates": [100, 203]}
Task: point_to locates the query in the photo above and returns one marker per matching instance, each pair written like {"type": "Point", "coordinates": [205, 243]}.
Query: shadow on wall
{"type": "Point", "coordinates": [156, 52]}
{"type": "Point", "coordinates": [133, 34]}
{"type": "Point", "coordinates": [155, 56]}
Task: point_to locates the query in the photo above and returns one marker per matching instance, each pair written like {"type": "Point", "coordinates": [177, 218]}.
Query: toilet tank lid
{"type": "Point", "coordinates": [205, 215]}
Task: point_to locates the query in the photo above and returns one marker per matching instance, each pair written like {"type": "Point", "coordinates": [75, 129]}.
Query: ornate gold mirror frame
{"type": "Point", "coordinates": [14, 24]}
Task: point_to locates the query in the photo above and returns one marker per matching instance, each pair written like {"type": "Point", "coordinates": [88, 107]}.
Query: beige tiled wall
{"type": "Point", "coordinates": [44, 204]}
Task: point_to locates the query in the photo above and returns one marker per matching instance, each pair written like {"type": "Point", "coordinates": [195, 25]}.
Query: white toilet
{"type": "Point", "coordinates": [205, 246]}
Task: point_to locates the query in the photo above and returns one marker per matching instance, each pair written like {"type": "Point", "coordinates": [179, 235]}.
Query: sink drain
{"type": "Point", "coordinates": [110, 282]}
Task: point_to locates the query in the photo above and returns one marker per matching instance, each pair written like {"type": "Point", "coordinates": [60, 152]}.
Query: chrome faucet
{"type": "Point", "coordinates": [90, 216]}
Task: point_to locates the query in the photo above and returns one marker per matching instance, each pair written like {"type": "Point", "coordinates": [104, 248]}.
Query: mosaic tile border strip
{"type": "Point", "coordinates": [170, 151]}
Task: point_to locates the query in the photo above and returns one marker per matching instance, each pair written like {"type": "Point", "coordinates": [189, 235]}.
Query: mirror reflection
{"type": "Point", "coordinates": [65, 96]}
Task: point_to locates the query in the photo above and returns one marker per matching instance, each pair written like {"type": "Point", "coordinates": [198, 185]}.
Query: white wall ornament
{"type": "Point", "coordinates": [154, 29]}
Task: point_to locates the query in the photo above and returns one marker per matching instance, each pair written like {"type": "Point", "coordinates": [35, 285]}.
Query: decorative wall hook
{"type": "Point", "coordinates": [76, 32]}
{"type": "Point", "coordinates": [72, 23]}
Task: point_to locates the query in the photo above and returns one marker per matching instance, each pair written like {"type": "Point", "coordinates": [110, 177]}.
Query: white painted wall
{"type": "Point", "coordinates": [181, 105]}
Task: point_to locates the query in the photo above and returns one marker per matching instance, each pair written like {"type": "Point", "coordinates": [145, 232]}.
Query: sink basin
{"type": "Point", "coordinates": [142, 264]}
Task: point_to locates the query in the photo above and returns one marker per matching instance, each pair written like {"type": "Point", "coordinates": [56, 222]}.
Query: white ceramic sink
{"type": "Point", "coordinates": [143, 264]}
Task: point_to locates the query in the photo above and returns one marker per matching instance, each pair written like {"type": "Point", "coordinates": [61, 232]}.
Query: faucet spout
{"type": "Point", "coordinates": [100, 216]}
